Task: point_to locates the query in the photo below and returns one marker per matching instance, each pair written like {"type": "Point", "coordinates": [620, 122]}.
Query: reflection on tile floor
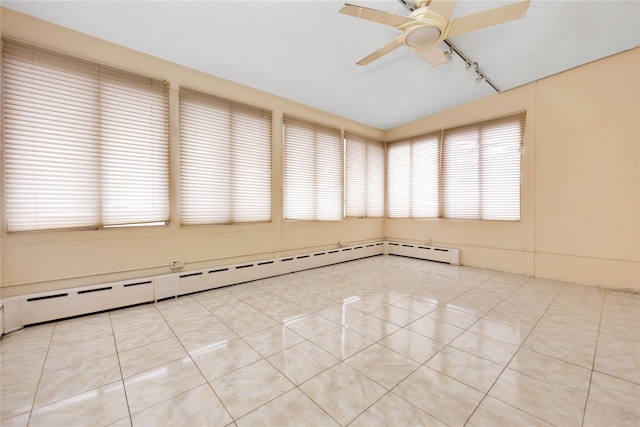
{"type": "Point", "coordinates": [383, 341]}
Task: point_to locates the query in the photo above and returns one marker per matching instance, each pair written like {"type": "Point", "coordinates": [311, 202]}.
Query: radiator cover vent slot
{"type": "Point", "coordinates": [46, 306]}
{"type": "Point", "coordinates": [429, 253]}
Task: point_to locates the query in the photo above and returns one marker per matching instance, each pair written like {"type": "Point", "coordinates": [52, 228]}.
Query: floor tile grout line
{"type": "Point", "coordinates": [206, 381]}
{"type": "Point", "coordinates": [550, 357]}
{"type": "Point", "coordinates": [262, 405]}
{"type": "Point", "coordinates": [279, 371]}
{"type": "Point", "coordinates": [376, 381]}
{"type": "Point", "coordinates": [466, 292]}
{"type": "Point", "coordinates": [445, 345]}
{"type": "Point", "coordinates": [42, 373]}
{"type": "Point", "coordinates": [494, 306]}
{"type": "Point", "coordinates": [44, 363]}
{"type": "Point", "coordinates": [150, 343]}
{"type": "Point", "coordinates": [616, 377]}
{"type": "Point", "coordinates": [317, 404]}
{"type": "Point", "coordinates": [467, 328]}
{"type": "Point", "coordinates": [549, 306]}
{"type": "Point", "coordinates": [326, 369]}
{"type": "Point", "coordinates": [595, 353]}
{"type": "Point", "coordinates": [263, 358]}
{"type": "Point", "coordinates": [124, 388]}
{"type": "Point", "coordinates": [339, 361]}
{"type": "Point", "coordinates": [387, 390]}
{"type": "Point", "coordinates": [509, 362]}
{"type": "Point", "coordinates": [297, 386]}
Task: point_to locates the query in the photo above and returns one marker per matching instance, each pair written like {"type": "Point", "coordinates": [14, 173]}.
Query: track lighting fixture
{"type": "Point", "coordinates": [471, 65]}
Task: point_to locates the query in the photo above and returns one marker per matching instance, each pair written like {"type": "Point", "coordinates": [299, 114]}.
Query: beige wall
{"type": "Point", "coordinates": [580, 180]}
{"type": "Point", "coordinates": [50, 260]}
{"type": "Point", "coordinates": [580, 187]}
{"type": "Point", "coordinates": [587, 183]}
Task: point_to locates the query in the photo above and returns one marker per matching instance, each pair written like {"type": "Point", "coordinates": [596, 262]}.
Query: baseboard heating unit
{"type": "Point", "coordinates": [426, 252]}
{"type": "Point", "coordinates": [41, 307]}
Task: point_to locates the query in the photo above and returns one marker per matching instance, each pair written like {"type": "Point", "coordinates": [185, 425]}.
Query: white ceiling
{"type": "Point", "coordinates": [306, 51]}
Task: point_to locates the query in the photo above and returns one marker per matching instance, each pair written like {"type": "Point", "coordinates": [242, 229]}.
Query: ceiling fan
{"type": "Point", "coordinates": [430, 23]}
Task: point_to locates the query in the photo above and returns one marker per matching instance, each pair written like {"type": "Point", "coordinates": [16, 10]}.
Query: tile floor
{"type": "Point", "coordinates": [383, 341]}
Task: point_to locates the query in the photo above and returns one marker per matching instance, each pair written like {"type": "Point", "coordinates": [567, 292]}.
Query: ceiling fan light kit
{"type": "Point", "coordinates": [422, 36]}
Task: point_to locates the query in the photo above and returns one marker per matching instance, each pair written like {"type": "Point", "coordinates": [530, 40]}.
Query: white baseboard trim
{"type": "Point", "coordinates": [17, 312]}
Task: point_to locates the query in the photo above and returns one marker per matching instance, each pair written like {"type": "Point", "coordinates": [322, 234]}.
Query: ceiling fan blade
{"type": "Point", "coordinates": [381, 52]}
{"type": "Point", "coordinates": [432, 54]}
{"type": "Point", "coordinates": [488, 18]}
{"type": "Point", "coordinates": [375, 15]}
{"type": "Point", "coordinates": [442, 7]}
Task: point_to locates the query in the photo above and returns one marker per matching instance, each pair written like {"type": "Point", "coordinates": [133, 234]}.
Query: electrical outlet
{"type": "Point", "coordinates": [427, 241]}
{"type": "Point", "coordinates": [178, 263]}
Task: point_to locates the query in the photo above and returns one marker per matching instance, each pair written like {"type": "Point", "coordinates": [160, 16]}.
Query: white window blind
{"type": "Point", "coordinates": [86, 145]}
{"type": "Point", "coordinates": [225, 161]}
{"type": "Point", "coordinates": [413, 177]}
{"type": "Point", "coordinates": [481, 170]}
{"type": "Point", "coordinates": [461, 171]}
{"type": "Point", "coordinates": [364, 177]}
{"type": "Point", "coordinates": [312, 171]}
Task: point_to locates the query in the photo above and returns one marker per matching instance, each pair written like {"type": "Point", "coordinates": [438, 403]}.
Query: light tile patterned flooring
{"type": "Point", "coordinates": [383, 341]}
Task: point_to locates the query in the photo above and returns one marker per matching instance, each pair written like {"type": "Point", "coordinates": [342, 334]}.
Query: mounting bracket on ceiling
{"type": "Point", "coordinates": [408, 4]}
{"type": "Point", "coordinates": [481, 76]}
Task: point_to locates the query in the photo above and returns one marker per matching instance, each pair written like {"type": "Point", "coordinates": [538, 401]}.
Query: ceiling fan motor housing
{"type": "Point", "coordinates": [422, 36]}
{"type": "Point", "coordinates": [426, 29]}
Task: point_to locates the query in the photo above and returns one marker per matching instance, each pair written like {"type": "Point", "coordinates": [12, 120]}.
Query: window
{"type": "Point", "coordinates": [312, 171]}
{"type": "Point", "coordinates": [225, 161]}
{"type": "Point", "coordinates": [481, 170]}
{"type": "Point", "coordinates": [86, 146]}
{"type": "Point", "coordinates": [413, 177]}
{"type": "Point", "coordinates": [471, 172]}
{"type": "Point", "coordinates": [364, 189]}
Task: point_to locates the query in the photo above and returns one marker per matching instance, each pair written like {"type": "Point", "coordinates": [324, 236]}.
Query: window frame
{"type": "Point", "coordinates": [101, 95]}
{"type": "Point", "coordinates": [445, 143]}
{"type": "Point", "coordinates": [367, 166]}
{"type": "Point", "coordinates": [327, 205]}
{"type": "Point", "coordinates": [413, 192]}
{"type": "Point", "coordinates": [216, 121]}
